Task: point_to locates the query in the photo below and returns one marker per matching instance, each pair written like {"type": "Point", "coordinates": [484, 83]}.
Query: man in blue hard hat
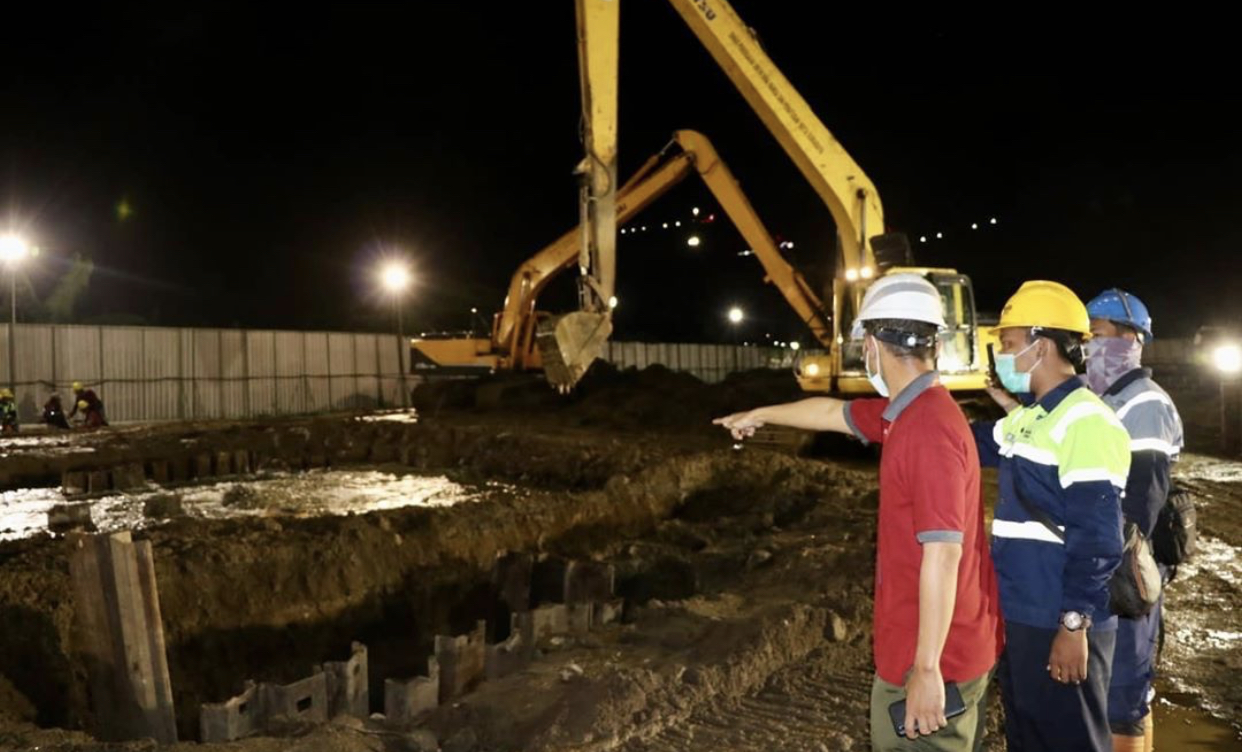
{"type": "Point", "coordinates": [1121, 325]}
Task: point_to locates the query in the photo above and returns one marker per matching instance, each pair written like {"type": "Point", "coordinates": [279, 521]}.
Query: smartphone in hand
{"type": "Point", "coordinates": [953, 707]}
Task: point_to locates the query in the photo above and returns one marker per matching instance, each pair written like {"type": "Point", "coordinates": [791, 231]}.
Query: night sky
{"type": "Point", "coordinates": [234, 168]}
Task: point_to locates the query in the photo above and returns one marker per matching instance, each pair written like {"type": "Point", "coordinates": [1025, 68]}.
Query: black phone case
{"type": "Point", "coordinates": [953, 707]}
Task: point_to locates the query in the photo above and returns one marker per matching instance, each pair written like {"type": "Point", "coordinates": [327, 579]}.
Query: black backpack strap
{"type": "Point", "coordinates": [1040, 515]}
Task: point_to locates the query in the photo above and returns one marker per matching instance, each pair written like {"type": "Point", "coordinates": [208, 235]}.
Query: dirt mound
{"type": "Point", "coordinates": [654, 397]}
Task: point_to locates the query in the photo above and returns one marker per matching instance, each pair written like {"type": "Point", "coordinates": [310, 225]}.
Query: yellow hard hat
{"type": "Point", "coordinates": [77, 386]}
{"type": "Point", "coordinates": [6, 393]}
{"type": "Point", "coordinates": [82, 405]}
{"type": "Point", "coordinates": [1048, 305]}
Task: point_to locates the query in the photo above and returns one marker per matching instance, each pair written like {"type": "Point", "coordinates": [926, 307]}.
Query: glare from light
{"type": "Point", "coordinates": [622, 230]}
{"type": "Point", "coordinates": [677, 223]}
{"type": "Point", "coordinates": [974, 225]}
{"type": "Point", "coordinates": [693, 241]}
{"type": "Point", "coordinates": [644, 228]}
{"type": "Point", "coordinates": [866, 272]}
{"type": "Point", "coordinates": [396, 277]}
{"type": "Point", "coordinates": [795, 346]}
{"type": "Point", "coordinates": [666, 225]}
{"type": "Point", "coordinates": [695, 211]}
{"type": "Point", "coordinates": [812, 370]}
{"type": "Point", "coordinates": [1227, 358]}
{"type": "Point", "coordinates": [736, 315]}
{"type": "Point", "coordinates": [13, 248]}
{"type": "Point", "coordinates": [851, 275]}
{"type": "Point", "coordinates": [940, 236]}
{"type": "Point", "coordinates": [993, 220]}
{"type": "Point", "coordinates": [612, 302]}
{"type": "Point", "coordinates": [922, 238]}
{"type": "Point", "coordinates": [474, 310]}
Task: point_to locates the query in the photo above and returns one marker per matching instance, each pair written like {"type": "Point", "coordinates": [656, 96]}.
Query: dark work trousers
{"type": "Point", "coordinates": [1043, 715]}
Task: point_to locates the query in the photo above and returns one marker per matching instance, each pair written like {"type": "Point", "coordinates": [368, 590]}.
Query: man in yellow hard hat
{"type": "Point", "coordinates": [91, 407]}
{"type": "Point", "coordinates": [1063, 457]}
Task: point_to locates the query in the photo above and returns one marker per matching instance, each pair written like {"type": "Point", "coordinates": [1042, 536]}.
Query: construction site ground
{"type": "Point", "coordinates": [746, 572]}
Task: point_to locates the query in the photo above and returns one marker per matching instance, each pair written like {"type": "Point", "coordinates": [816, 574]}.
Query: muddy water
{"type": "Point", "coordinates": [1180, 725]}
{"type": "Point", "coordinates": [1203, 623]}
{"type": "Point", "coordinates": [24, 513]}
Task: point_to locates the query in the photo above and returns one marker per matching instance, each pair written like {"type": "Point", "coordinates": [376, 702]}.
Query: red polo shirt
{"type": "Point", "coordinates": [929, 491]}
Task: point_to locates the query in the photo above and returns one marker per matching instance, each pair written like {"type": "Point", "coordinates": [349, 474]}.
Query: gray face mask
{"type": "Point", "coordinates": [1110, 358]}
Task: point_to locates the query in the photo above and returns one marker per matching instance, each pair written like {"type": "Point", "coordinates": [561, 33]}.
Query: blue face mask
{"type": "Point", "coordinates": [1006, 368]}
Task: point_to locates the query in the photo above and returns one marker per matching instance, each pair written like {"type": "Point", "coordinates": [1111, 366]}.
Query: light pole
{"type": "Point", "coordinates": [13, 250]}
{"type": "Point", "coordinates": [736, 317]}
{"type": "Point", "coordinates": [396, 278]}
{"type": "Point", "coordinates": [1227, 357]}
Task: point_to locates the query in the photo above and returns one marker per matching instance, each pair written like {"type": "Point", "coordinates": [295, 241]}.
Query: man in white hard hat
{"type": "Point", "coordinates": [937, 614]}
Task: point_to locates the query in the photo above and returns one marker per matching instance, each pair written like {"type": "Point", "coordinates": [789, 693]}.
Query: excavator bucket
{"type": "Point", "coordinates": [569, 344]}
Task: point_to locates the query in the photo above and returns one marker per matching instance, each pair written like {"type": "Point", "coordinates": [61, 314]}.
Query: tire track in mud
{"type": "Point", "coordinates": [818, 705]}
{"type": "Point", "coordinates": [814, 704]}
{"type": "Point", "coordinates": [794, 711]}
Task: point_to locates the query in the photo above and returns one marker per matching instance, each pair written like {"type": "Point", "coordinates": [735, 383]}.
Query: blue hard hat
{"type": "Point", "coordinates": [1120, 307]}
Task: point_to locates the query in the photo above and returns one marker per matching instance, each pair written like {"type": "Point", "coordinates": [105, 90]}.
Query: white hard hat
{"type": "Point", "coordinates": [905, 296]}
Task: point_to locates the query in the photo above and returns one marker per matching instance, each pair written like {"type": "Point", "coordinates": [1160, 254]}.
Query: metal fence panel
{"type": "Point", "coordinates": [261, 360]}
{"type": "Point", "coordinates": [124, 377]}
{"type": "Point", "coordinates": [153, 373]}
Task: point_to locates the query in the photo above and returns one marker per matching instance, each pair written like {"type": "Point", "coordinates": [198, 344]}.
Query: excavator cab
{"type": "Point", "coordinates": [962, 343]}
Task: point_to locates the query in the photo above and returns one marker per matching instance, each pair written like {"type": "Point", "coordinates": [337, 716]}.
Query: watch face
{"type": "Point", "coordinates": [1072, 620]}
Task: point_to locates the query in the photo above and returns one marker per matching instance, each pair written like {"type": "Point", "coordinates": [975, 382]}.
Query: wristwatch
{"type": "Point", "coordinates": [1074, 621]}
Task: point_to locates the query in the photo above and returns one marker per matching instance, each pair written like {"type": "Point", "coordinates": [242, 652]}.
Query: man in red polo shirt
{"type": "Point", "coordinates": [937, 612]}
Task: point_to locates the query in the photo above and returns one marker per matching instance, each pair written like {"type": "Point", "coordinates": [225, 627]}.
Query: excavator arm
{"type": "Point", "coordinates": [570, 343]}
{"type": "Point", "coordinates": [511, 346]}
{"type": "Point", "coordinates": [654, 179]}
{"type": "Point", "coordinates": [865, 248]}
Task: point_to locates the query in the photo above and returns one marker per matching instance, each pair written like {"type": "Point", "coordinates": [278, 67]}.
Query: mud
{"type": "Point", "coordinates": [747, 578]}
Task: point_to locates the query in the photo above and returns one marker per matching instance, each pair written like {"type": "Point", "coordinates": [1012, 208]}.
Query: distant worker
{"type": "Point", "coordinates": [90, 405]}
{"type": "Point", "coordinates": [8, 412]}
{"type": "Point", "coordinates": [54, 412]}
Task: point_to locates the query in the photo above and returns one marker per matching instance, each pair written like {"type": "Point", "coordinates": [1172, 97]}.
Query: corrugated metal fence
{"type": "Point", "coordinates": [148, 373]}
{"type": "Point", "coordinates": [154, 374]}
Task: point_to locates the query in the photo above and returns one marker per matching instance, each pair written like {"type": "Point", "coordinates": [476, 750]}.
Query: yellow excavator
{"type": "Point", "coordinates": [568, 344]}
{"type": "Point", "coordinates": [512, 345]}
